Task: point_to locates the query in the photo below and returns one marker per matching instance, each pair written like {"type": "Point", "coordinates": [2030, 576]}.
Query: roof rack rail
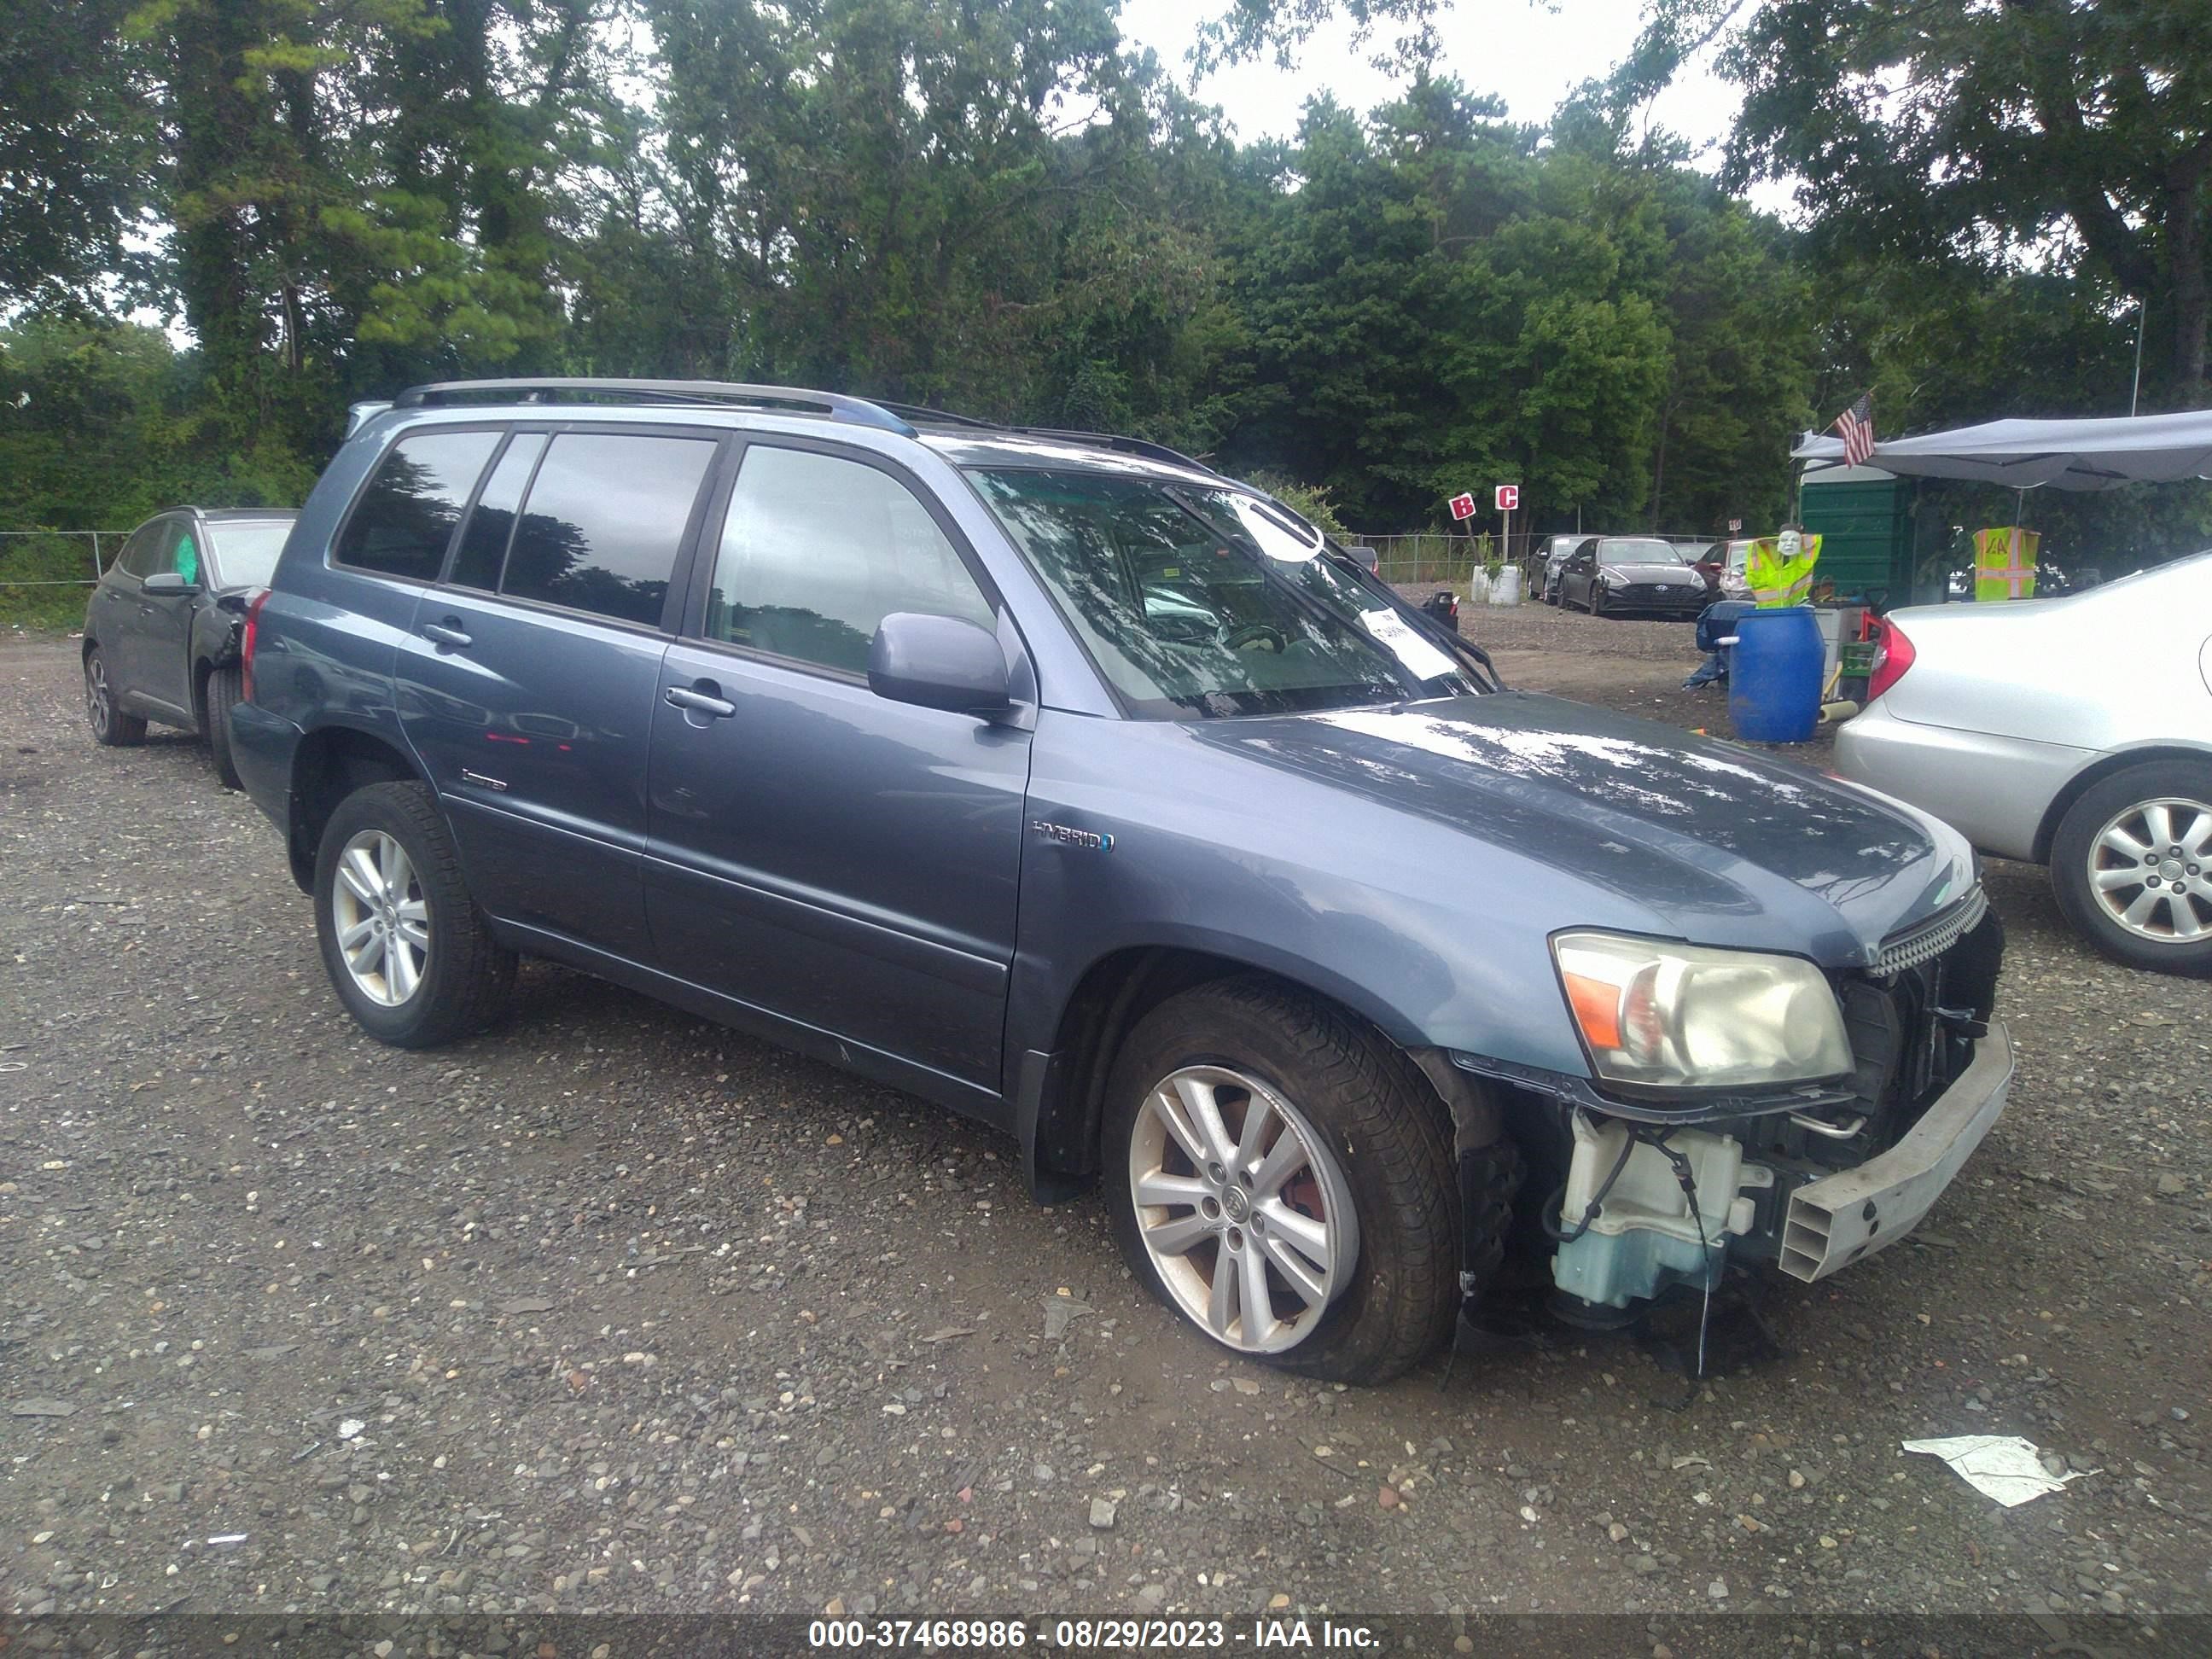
{"type": "Point", "coordinates": [781, 400]}
{"type": "Point", "coordinates": [922, 415]}
{"type": "Point", "coordinates": [1115, 441]}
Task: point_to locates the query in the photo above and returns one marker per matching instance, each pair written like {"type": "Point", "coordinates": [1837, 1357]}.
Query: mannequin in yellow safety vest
{"type": "Point", "coordinates": [1780, 568]}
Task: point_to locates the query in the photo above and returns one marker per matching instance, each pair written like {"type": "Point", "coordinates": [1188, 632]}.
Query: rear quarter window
{"type": "Point", "coordinates": [406, 513]}
{"type": "Point", "coordinates": [605, 521]}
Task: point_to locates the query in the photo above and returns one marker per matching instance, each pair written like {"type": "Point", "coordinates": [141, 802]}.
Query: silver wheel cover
{"type": "Point", "coordinates": [99, 704]}
{"type": "Point", "coordinates": [2150, 870]}
{"type": "Point", "coordinates": [380, 919]}
{"type": "Point", "coordinates": [1243, 1210]}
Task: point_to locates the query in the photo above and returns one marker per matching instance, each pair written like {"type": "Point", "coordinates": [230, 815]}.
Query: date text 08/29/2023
{"type": "Point", "coordinates": [1080, 1635]}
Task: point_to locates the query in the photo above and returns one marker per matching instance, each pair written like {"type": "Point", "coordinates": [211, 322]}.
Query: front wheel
{"type": "Point", "coordinates": [2131, 866]}
{"type": "Point", "coordinates": [404, 944]}
{"type": "Point", "coordinates": [220, 698]}
{"type": "Point", "coordinates": [1283, 1178]}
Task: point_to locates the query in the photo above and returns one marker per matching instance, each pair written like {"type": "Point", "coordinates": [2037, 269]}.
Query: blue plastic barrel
{"type": "Point", "coordinates": [1774, 676]}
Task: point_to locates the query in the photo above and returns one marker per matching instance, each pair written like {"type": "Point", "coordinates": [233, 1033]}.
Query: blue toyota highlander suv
{"type": "Point", "coordinates": [1063, 781]}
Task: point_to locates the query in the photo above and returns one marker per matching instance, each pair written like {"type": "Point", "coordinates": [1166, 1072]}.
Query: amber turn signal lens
{"type": "Point", "coordinates": [1596, 1004]}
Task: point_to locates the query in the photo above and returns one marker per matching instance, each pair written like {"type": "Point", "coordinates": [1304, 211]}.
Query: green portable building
{"type": "Point", "coordinates": [1863, 517]}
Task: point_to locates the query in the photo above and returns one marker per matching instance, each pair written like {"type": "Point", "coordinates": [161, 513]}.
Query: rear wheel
{"type": "Point", "coordinates": [219, 699]}
{"type": "Point", "coordinates": [2131, 866]}
{"type": "Point", "coordinates": [404, 944]}
{"type": "Point", "coordinates": [1282, 1177]}
{"type": "Point", "coordinates": [110, 725]}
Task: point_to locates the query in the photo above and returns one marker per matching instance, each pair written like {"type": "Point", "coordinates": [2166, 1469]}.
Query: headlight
{"type": "Point", "coordinates": [1662, 1016]}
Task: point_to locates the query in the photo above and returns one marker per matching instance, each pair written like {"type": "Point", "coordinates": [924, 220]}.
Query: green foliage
{"type": "Point", "coordinates": [1310, 502]}
{"type": "Point", "coordinates": [2076, 137]}
{"type": "Point", "coordinates": [1457, 307]}
{"type": "Point", "coordinates": [995, 206]}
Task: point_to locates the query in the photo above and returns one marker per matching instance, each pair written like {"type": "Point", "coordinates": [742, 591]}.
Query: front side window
{"type": "Point", "coordinates": [817, 550]}
{"type": "Point", "coordinates": [1195, 600]}
{"type": "Point", "coordinates": [408, 510]}
{"type": "Point", "coordinates": [604, 523]}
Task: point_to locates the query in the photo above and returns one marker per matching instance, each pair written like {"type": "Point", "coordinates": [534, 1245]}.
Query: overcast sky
{"type": "Point", "coordinates": [1529, 54]}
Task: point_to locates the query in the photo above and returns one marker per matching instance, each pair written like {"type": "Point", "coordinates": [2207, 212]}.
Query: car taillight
{"type": "Point", "coordinates": [1892, 655]}
{"type": "Point", "coordinates": [246, 645]}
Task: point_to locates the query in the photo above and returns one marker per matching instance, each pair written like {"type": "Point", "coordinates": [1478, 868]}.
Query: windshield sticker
{"type": "Point", "coordinates": [1422, 659]}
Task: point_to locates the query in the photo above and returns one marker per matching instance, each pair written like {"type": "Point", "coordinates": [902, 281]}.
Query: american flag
{"type": "Point", "coordinates": [1855, 426]}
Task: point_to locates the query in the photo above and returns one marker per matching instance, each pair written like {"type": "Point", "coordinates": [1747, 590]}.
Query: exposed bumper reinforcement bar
{"type": "Point", "coordinates": [1847, 1216]}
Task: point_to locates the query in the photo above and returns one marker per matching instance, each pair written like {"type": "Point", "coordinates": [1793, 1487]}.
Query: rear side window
{"type": "Point", "coordinates": [604, 522]}
{"type": "Point", "coordinates": [484, 543]}
{"type": "Point", "coordinates": [247, 550]}
{"type": "Point", "coordinates": [142, 554]}
{"type": "Point", "coordinates": [406, 513]}
{"type": "Point", "coordinates": [817, 550]}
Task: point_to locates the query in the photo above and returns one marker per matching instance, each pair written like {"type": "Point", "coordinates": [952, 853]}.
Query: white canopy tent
{"type": "Point", "coordinates": [2028, 454]}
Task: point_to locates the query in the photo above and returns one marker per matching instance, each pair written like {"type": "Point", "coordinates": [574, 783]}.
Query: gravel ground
{"type": "Point", "coordinates": [613, 1310]}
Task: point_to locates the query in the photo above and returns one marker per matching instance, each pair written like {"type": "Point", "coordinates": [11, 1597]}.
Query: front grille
{"type": "Point", "coordinates": [1925, 941]}
{"type": "Point", "coordinates": [1671, 594]}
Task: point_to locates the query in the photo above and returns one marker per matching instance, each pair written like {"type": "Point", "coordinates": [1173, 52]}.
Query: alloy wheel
{"type": "Point", "coordinates": [382, 920]}
{"type": "Point", "coordinates": [2150, 868]}
{"type": "Point", "coordinates": [99, 701]}
{"type": "Point", "coordinates": [1243, 1211]}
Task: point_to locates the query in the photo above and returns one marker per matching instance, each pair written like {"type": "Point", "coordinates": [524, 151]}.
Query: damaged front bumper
{"type": "Point", "coordinates": [1847, 1216]}
{"type": "Point", "coordinates": [1646, 1205]}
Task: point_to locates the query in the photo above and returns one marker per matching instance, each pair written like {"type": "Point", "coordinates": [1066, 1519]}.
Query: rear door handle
{"type": "Point", "coordinates": [447, 633]}
{"type": "Point", "coordinates": [701, 699]}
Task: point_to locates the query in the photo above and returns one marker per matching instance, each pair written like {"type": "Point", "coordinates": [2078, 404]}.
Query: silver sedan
{"type": "Point", "coordinates": [2074, 732]}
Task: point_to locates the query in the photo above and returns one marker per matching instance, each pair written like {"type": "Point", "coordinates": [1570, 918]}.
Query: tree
{"type": "Point", "coordinates": [77, 155]}
{"type": "Point", "coordinates": [2075, 135]}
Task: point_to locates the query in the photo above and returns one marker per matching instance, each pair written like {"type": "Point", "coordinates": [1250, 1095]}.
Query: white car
{"type": "Point", "coordinates": [2075, 732]}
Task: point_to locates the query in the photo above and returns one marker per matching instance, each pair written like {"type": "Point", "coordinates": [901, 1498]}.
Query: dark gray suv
{"type": "Point", "coordinates": [162, 625]}
{"type": "Point", "coordinates": [1063, 781]}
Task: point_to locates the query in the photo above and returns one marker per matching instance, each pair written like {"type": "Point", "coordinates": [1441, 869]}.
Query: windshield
{"type": "Point", "coordinates": [1207, 602]}
{"type": "Point", "coordinates": [1639, 550]}
{"type": "Point", "coordinates": [247, 550]}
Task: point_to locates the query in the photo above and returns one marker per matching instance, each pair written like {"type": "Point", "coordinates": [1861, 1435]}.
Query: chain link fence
{"type": "Point", "coordinates": [45, 573]}
{"type": "Point", "coordinates": [1436, 556]}
{"type": "Point", "coordinates": [1432, 555]}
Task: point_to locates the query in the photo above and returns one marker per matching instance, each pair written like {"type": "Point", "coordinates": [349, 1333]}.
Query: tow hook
{"type": "Point", "coordinates": [1961, 1021]}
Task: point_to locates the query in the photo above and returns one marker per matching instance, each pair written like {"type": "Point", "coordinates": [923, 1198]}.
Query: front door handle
{"type": "Point", "coordinates": [701, 699]}
{"type": "Point", "coordinates": [448, 633]}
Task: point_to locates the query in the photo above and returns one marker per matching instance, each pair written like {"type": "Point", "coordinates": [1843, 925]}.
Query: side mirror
{"type": "Point", "coordinates": [938, 662]}
{"type": "Point", "coordinates": [169, 581]}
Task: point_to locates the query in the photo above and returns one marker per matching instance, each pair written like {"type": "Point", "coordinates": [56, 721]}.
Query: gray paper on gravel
{"type": "Point", "coordinates": [2000, 1465]}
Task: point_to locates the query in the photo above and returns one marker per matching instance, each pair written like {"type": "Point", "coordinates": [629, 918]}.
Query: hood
{"type": "Point", "coordinates": [1653, 573]}
{"type": "Point", "coordinates": [1682, 836]}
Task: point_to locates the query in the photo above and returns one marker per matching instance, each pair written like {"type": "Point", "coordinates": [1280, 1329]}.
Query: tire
{"type": "Point", "coordinates": [2127, 810]}
{"type": "Point", "coordinates": [1380, 1198]}
{"type": "Point", "coordinates": [221, 696]}
{"type": "Point", "coordinates": [110, 725]}
{"type": "Point", "coordinates": [424, 978]}
{"type": "Point", "coordinates": [1597, 601]}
